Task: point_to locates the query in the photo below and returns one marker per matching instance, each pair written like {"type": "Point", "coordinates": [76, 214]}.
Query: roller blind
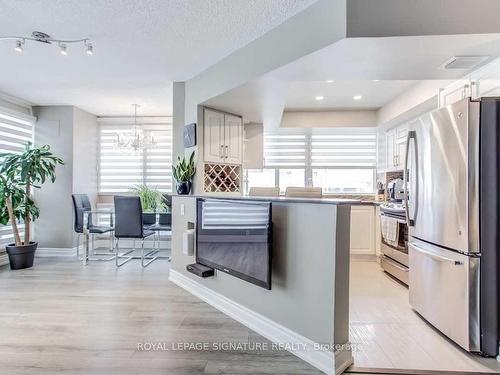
{"type": "Point", "coordinates": [121, 169]}
{"type": "Point", "coordinates": [15, 131]}
{"type": "Point", "coordinates": [351, 148]}
{"type": "Point", "coordinates": [285, 148]}
{"type": "Point", "coordinates": [321, 148]}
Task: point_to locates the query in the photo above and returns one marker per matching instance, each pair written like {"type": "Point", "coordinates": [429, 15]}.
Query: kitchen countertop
{"type": "Point", "coordinates": [333, 201]}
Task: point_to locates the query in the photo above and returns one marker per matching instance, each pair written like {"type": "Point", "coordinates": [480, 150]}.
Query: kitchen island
{"type": "Point", "coordinates": [307, 308]}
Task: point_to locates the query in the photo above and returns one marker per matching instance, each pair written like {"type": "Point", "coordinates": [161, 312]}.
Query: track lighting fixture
{"type": "Point", "coordinates": [37, 36]}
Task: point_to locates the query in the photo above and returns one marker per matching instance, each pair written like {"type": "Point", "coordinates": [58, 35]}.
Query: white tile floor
{"type": "Point", "coordinates": [392, 335]}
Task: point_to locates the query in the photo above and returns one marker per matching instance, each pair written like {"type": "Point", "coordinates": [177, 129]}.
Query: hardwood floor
{"type": "Point", "coordinates": [391, 335]}
{"type": "Point", "coordinates": [62, 318]}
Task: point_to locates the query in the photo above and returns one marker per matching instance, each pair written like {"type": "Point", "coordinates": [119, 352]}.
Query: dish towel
{"type": "Point", "coordinates": [390, 230]}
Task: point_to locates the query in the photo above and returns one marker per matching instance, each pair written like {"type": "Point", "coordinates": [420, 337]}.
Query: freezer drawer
{"type": "Point", "coordinates": [444, 289]}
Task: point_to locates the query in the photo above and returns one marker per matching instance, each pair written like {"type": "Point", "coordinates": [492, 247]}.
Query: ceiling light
{"type": "Point", "coordinates": [330, 81]}
{"type": "Point", "coordinates": [375, 80]}
{"type": "Point", "coordinates": [37, 36]}
{"type": "Point", "coordinates": [19, 46]}
{"type": "Point", "coordinates": [64, 49]}
{"type": "Point", "coordinates": [319, 97]}
{"type": "Point", "coordinates": [357, 97]}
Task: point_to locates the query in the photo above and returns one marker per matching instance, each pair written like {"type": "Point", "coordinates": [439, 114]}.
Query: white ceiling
{"type": "Point", "coordinates": [140, 47]}
{"type": "Point", "coordinates": [339, 94]}
{"type": "Point", "coordinates": [353, 63]}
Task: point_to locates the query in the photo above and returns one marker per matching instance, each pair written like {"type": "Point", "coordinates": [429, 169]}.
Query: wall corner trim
{"type": "Point", "coordinates": [328, 362]}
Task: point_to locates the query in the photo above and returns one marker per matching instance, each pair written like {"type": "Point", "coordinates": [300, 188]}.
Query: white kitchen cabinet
{"type": "Point", "coordinates": [363, 230]}
{"type": "Point", "coordinates": [213, 143]}
{"type": "Point", "coordinates": [233, 139]}
{"type": "Point", "coordinates": [223, 137]}
{"type": "Point", "coordinates": [390, 137]}
{"type": "Point", "coordinates": [396, 147]}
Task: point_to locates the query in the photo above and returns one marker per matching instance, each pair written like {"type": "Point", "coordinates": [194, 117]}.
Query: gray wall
{"type": "Point", "coordinates": [308, 244]}
{"type": "Point", "coordinates": [85, 152]}
{"type": "Point", "coordinates": [386, 18]}
{"type": "Point", "coordinates": [54, 127]}
{"type": "Point", "coordinates": [72, 135]}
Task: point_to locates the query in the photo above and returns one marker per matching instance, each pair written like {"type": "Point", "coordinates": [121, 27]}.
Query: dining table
{"type": "Point", "coordinates": [111, 213]}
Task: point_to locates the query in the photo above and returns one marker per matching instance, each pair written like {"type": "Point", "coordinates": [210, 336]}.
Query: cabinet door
{"type": "Point", "coordinates": [400, 153]}
{"type": "Point", "coordinates": [362, 230]}
{"type": "Point", "coordinates": [389, 141]}
{"type": "Point", "coordinates": [213, 130]}
{"type": "Point", "coordinates": [233, 139]}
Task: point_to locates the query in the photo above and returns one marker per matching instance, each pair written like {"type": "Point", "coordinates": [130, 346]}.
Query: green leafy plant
{"type": "Point", "coordinates": [185, 169]}
{"type": "Point", "coordinates": [20, 173]}
{"type": "Point", "coordinates": [151, 199]}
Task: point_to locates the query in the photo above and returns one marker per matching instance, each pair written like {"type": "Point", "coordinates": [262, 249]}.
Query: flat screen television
{"type": "Point", "coordinates": [234, 236]}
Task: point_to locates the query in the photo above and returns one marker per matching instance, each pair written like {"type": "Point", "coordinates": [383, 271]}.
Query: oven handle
{"type": "Point", "coordinates": [401, 221]}
{"type": "Point", "coordinates": [439, 258]}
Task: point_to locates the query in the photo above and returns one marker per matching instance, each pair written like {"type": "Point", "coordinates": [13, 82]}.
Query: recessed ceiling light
{"type": "Point", "coordinates": [330, 81]}
{"type": "Point", "coordinates": [375, 80]}
{"type": "Point", "coordinates": [319, 97]}
{"type": "Point", "coordinates": [357, 97]}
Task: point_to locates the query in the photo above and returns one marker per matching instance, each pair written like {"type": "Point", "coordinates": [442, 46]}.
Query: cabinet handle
{"type": "Point", "coordinates": [221, 152]}
{"type": "Point", "coordinates": [227, 152]}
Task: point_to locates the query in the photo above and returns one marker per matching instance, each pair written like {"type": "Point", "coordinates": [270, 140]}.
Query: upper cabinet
{"type": "Point", "coordinates": [396, 147]}
{"type": "Point", "coordinates": [223, 137]}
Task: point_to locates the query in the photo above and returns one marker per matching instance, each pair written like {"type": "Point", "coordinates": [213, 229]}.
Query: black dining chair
{"type": "Point", "coordinates": [81, 204]}
{"type": "Point", "coordinates": [164, 224]}
{"type": "Point", "coordinates": [129, 225]}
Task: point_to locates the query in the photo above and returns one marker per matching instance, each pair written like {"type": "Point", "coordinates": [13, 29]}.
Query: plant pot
{"type": "Point", "coordinates": [21, 256]}
{"type": "Point", "coordinates": [183, 187]}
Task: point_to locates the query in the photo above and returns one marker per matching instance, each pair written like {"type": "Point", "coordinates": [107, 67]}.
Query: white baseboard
{"type": "Point", "coordinates": [326, 361]}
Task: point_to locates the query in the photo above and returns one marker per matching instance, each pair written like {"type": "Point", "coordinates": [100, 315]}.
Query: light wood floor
{"type": "Point", "coordinates": [62, 318]}
{"type": "Point", "coordinates": [392, 335]}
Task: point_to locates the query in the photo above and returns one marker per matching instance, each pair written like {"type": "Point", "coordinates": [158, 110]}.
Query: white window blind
{"type": "Point", "coordinates": [15, 131]}
{"type": "Point", "coordinates": [121, 169]}
{"type": "Point", "coordinates": [340, 160]}
{"type": "Point", "coordinates": [285, 148]}
{"type": "Point", "coordinates": [341, 148]}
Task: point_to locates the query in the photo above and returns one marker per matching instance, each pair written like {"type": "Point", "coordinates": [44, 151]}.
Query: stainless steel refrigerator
{"type": "Point", "coordinates": [452, 181]}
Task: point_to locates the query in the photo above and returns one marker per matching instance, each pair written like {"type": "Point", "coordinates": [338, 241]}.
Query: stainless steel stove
{"type": "Point", "coordinates": [394, 245]}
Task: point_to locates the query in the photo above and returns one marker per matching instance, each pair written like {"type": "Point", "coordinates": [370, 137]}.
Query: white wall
{"type": "Point", "coordinates": [328, 119]}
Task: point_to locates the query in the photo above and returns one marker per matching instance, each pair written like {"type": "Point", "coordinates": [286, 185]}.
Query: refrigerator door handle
{"type": "Point", "coordinates": [412, 135]}
{"type": "Point", "coordinates": [439, 258]}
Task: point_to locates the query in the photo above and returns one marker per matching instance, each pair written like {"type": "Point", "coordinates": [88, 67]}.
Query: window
{"type": "Point", "coordinates": [261, 178]}
{"type": "Point", "coordinates": [15, 130]}
{"type": "Point", "coordinates": [349, 181]}
{"type": "Point", "coordinates": [340, 160]}
{"type": "Point", "coordinates": [291, 177]}
{"type": "Point", "coordinates": [121, 169]}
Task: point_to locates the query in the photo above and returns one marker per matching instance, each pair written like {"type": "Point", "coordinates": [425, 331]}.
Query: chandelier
{"type": "Point", "coordinates": [38, 36]}
{"type": "Point", "coordinates": [136, 140]}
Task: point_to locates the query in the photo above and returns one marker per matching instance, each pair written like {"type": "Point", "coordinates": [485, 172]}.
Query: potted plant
{"type": "Point", "coordinates": [152, 200]}
{"type": "Point", "coordinates": [19, 174]}
{"type": "Point", "coordinates": [183, 173]}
